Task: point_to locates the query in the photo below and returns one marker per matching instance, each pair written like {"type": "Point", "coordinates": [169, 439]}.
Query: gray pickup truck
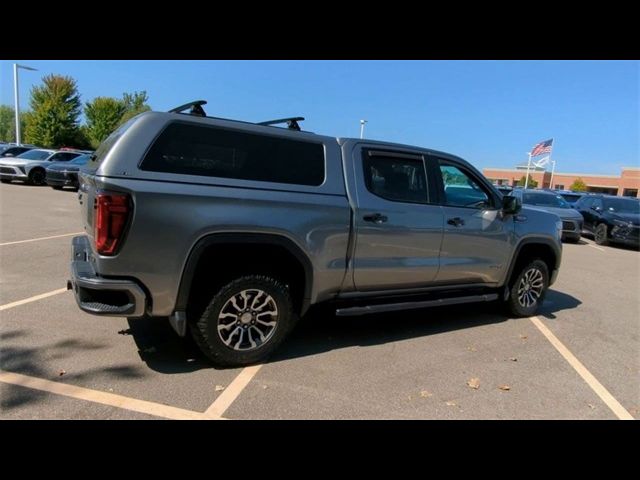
{"type": "Point", "coordinates": [233, 230]}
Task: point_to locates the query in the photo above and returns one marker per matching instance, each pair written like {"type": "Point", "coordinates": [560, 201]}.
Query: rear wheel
{"type": "Point", "coordinates": [245, 321]}
{"type": "Point", "coordinates": [528, 289]}
{"type": "Point", "coordinates": [37, 177]}
{"type": "Point", "coordinates": [601, 235]}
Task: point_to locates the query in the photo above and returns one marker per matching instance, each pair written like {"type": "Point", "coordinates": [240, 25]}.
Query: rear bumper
{"type": "Point", "coordinates": [98, 295]}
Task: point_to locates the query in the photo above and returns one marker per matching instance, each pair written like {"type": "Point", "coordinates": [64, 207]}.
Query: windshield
{"type": "Point", "coordinates": [34, 155]}
{"type": "Point", "coordinates": [81, 160]}
{"type": "Point", "coordinates": [570, 197]}
{"type": "Point", "coordinates": [621, 205]}
{"type": "Point", "coordinates": [544, 200]}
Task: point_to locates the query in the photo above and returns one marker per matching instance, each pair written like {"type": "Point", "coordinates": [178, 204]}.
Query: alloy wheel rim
{"type": "Point", "coordinates": [530, 287]}
{"type": "Point", "coordinates": [248, 320]}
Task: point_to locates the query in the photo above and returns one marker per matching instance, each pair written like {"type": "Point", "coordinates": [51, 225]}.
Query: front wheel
{"type": "Point", "coordinates": [37, 177]}
{"type": "Point", "coordinates": [529, 288]}
{"type": "Point", "coordinates": [600, 236]}
{"type": "Point", "coordinates": [245, 321]}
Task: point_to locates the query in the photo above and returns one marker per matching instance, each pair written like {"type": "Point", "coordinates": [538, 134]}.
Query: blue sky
{"type": "Point", "coordinates": [489, 112]}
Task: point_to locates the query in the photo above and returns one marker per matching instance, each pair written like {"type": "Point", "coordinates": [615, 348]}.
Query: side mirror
{"type": "Point", "coordinates": [511, 205]}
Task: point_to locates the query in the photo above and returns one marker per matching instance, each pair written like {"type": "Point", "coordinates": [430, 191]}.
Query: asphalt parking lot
{"type": "Point", "coordinates": [578, 359]}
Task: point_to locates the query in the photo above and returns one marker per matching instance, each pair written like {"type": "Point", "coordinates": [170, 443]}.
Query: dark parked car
{"type": "Point", "coordinates": [13, 151]}
{"type": "Point", "coordinates": [553, 203]}
{"type": "Point", "coordinates": [611, 219]}
{"type": "Point", "coordinates": [65, 174]}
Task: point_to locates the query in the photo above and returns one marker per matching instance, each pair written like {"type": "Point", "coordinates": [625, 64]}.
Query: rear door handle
{"type": "Point", "coordinates": [375, 218]}
{"type": "Point", "coordinates": [455, 221]}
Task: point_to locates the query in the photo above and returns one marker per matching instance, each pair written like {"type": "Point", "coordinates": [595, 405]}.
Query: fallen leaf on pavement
{"type": "Point", "coordinates": [426, 394]}
{"type": "Point", "coordinates": [125, 332]}
{"type": "Point", "coordinates": [450, 403]}
{"type": "Point", "coordinates": [61, 372]}
{"type": "Point", "coordinates": [219, 388]}
{"type": "Point", "coordinates": [474, 383]}
{"type": "Point", "coordinates": [264, 387]}
{"type": "Point", "coordinates": [513, 359]}
{"type": "Point", "coordinates": [505, 388]}
{"type": "Point", "coordinates": [472, 349]}
{"type": "Point", "coordinates": [591, 406]}
{"type": "Point", "coordinates": [523, 337]}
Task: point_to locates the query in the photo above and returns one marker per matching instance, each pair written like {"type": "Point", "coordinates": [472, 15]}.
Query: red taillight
{"type": "Point", "coordinates": [112, 212]}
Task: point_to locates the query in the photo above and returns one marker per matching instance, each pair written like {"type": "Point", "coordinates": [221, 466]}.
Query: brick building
{"type": "Point", "coordinates": [626, 184]}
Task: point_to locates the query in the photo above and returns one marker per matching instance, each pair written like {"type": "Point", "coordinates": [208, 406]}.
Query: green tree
{"type": "Point", "coordinates": [578, 185]}
{"type": "Point", "coordinates": [103, 115]}
{"type": "Point", "coordinates": [532, 183]}
{"type": "Point", "coordinates": [55, 107]}
{"type": "Point", "coordinates": [8, 123]}
{"type": "Point", "coordinates": [134, 104]}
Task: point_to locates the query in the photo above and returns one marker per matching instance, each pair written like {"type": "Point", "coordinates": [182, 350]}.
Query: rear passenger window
{"type": "Point", "coordinates": [213, 152]}
{"type": "Point", "coordinates": [396, 179]}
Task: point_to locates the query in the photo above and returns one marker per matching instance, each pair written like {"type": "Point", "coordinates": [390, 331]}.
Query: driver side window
{"type": "Point", "coordinates": [460, 190]}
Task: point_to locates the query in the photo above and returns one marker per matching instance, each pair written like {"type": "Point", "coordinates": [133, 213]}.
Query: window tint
{"type": "Point", "coordinates": [584, 202]}
{"type": "Point", "coordinates": [63, 157]}
{"type": "Point", "coordinates": [597, 202]}
{"type": "Point", "coordinates": [460, 190]}
{"type": "Point", "coordinates": [396, 179]}
{"type": "Point", "coordinates": [213, 152]}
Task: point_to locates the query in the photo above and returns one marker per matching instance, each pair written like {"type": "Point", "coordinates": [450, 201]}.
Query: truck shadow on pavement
{"type": "Point", "coordinates": [321, 331]}
{"type": "Point", "coordinates": [325, 332]}
{"type": "Point", "coordinates": [50, 362]}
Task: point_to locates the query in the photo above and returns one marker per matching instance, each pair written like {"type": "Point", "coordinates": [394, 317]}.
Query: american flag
{"type": "Point", "coordinates": [542, 147]}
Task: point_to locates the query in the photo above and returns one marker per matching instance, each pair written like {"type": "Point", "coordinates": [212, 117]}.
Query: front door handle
{"type": "Point", "coordinates": [455, 221]}
{"type": "Point", "coordinates": [375, 218]}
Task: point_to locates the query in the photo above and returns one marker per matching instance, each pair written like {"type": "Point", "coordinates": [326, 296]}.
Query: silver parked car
{"type": "Point", "coordinates": [554, 203]}
{"type": "Point", "coordinates": [30, 166]}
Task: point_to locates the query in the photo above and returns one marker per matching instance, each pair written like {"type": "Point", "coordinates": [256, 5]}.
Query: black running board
{"type": "Point", "coordinates": [393, 307]}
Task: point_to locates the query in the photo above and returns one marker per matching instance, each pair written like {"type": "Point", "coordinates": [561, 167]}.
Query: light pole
{"type": "Point", "coordinates": [362, 122]}
{"type": "Point", "coordinates": [16, 96]}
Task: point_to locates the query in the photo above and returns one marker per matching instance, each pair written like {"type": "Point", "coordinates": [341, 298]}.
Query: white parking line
{"type": "Point", "coordinates": [104, 398]}
{"type": "Point", "coordinates": [586, 375]}
{"type": "Point", "coordinates": [41, 238]}
{"type": "Point", "coordinates": [32, 299]}
{"type": "Point", "coordinates": [228, 396]}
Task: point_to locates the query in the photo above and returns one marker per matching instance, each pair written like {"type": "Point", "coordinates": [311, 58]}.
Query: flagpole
{"type": "Point", "coordinates": [553, 167]}
{"type": "Point", "coordinates": [526, 179]}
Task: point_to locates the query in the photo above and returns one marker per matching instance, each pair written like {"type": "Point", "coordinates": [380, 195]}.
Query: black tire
{"type": "Point", "coordinates": [515, 304]}
{"type": "Point", "coordinates": [5, 180]}
{"type": "Point", "coordinates": [601, 235]}
{"type": "Point", "coordinates": [56, 187]}
{"type": "Point", "coordinates": [37, 177]}
{"type": "Point", "coordinates": [205, 330]}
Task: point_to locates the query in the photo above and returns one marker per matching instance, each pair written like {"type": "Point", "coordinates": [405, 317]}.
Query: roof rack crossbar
{"type": "Point", "coordinates": [292, 122]}
{"type": "Point", "coordinates": [195, 106]}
